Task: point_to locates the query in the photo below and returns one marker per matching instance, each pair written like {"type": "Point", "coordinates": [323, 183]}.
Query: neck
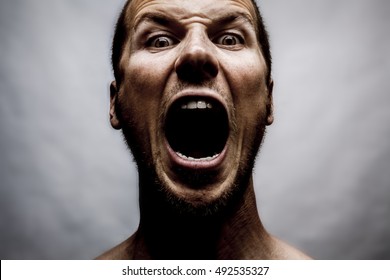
{"type": "Point", "coordinates": [237, 233]}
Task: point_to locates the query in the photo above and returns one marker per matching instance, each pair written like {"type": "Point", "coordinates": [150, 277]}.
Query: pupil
{"type": "Point", "coordinates": [160, 43]}
{"type": "Point", "coordinates": [229, 40]}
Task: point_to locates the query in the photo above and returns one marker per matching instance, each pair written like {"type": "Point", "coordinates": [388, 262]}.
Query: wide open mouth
{"type": "Point", "coordinates": [197, 128]}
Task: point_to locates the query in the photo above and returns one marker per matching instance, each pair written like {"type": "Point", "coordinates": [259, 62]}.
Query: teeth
{"type": "Point", "coordinates": [192, 105]}
{"type": "Point", "coordinates": [197, 159]}
{"type": "Point", "coordinates": [200, 104]}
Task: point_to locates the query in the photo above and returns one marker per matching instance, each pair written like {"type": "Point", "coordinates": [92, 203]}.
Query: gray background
{"type": "Point", "coordinates": [68, 187]}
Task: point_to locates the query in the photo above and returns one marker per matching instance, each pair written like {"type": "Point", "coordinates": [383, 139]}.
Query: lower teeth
{"type": "Point", "coordinates": [197, 159]}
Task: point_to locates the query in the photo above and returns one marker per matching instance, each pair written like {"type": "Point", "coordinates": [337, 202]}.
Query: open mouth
{"type": "Point", "coordinates": [197, 128]}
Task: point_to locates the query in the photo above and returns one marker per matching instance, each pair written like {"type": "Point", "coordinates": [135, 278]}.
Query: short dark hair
{"type": "Point", "coordinates": [122, 32]}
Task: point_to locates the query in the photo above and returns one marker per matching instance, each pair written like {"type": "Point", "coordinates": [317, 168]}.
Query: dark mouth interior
{"type": "Point", "coordinates": [197, 133]}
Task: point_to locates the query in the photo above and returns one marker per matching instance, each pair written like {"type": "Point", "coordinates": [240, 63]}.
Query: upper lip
{"type": "Point", "coordinates": [198, 93]}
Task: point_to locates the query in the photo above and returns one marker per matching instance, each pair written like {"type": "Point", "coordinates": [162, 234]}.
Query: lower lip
{"type": "Point", "coordinates": [196, 164]}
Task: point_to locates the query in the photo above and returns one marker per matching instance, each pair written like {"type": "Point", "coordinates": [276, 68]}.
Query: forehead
{"type": "Point", "coordinates": [185, 9]}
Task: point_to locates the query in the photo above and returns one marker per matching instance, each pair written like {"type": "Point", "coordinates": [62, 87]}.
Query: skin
{"type": "Point", "coordinates": [202, 48]}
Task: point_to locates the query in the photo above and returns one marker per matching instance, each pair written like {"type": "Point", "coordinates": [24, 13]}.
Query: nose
{"type": "Point", "coordinates": [196, 62]}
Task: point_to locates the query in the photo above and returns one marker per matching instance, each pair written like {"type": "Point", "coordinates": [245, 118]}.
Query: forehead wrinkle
{"type": "Point", "coordinates": [165, 19]}
{"type": "Point", "coordinates": [136, 7]}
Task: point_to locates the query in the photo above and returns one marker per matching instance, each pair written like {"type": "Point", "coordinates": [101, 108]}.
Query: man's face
{"type": "Point", "coordinates": [193, 100]}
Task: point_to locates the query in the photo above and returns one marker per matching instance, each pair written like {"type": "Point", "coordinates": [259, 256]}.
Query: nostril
{"type": "Point", "coordinates": [210, 69]}
{"type": "Point", "coordinates": [196, 67]}
{"type": "Point", "coordinates": [186, 72]}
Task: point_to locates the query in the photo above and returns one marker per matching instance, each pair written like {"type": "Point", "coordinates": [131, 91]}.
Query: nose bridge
{"type": "Point", "coordinates": [196, 40]}
{"type": "Point", "coordinates": [196, 60]}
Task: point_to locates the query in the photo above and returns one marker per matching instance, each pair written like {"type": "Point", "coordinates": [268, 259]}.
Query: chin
{"type": "Point", "coordinates": [198, 203]}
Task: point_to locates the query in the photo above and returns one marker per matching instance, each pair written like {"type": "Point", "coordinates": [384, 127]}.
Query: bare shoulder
{"type": "Point", "coordinates": [122, 251]}
{"type": "Point", "coordinates": [279, 250]}
{"type": "Point", "coordinates": [283, 251]}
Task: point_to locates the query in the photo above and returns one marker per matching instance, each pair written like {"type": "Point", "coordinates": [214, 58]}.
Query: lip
{"type": "Point", "coordinates": [198, 164]}
{"type": "Point", "coordinates": [198, 93]}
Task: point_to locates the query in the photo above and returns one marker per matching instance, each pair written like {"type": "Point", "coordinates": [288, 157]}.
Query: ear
{"type": "Point", "coordinates": [270, 104]}
{"type": "Point", "coordinates": [113, 99]}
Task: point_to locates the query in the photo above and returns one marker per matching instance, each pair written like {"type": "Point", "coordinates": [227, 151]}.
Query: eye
{"type": "Point", "coordinates": [161, 42]}
{"type": "Point", "coordinates": [229, 40]}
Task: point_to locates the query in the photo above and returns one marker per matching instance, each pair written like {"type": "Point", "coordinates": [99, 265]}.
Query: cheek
{"type": "Point", "coordinates": [144, 82]}
{"type": "Point", "coordinates": [146, 77]}
{"type": "Point", "coordinates": [245, 72]}
{"type": "Point", "coordinates": [141, 95]}
{"type": "Point", "coordinates": [247, 81]}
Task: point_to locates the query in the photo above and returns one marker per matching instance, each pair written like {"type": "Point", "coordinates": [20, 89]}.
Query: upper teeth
{"type": "Point", "coordinates": [200, 104]}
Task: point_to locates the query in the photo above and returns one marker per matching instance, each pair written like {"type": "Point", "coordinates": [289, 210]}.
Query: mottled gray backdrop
{"type": "Point", "coordinates": [68, 187]}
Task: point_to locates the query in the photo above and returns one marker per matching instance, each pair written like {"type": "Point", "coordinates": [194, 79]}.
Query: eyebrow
{"type": "Point", "coordinates": [232, 17]}
{"type": "Point", "coordinates": [165, 20]}
{"type": "Point", "coordinates": [155, 17]}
